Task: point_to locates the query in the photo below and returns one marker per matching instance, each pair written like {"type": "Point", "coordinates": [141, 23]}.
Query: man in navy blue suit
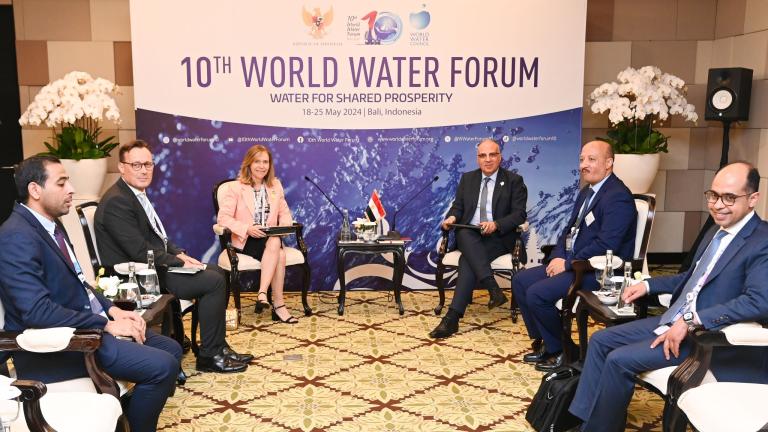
{"type": "Point", "coordinates": [604, 218]}
{"type": "Point", "coordinates": [726, 286]}
{"type": "Point", "coordinates": [42, 286]}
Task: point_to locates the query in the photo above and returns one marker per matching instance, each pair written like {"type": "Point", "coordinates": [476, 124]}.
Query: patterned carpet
{"type": "Point", "coordinates": [372, 370]}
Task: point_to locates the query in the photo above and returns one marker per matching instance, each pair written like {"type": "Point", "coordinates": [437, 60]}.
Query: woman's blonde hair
{"type": "Point", "coordinates": [245, 176]}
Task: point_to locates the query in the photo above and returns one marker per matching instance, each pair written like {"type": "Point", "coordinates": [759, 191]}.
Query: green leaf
{"type": "Point", "coordinates": [75, 142]}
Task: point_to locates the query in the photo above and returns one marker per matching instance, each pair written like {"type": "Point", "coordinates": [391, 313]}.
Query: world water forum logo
{"type": "Point", "coordinates": [384, 28]}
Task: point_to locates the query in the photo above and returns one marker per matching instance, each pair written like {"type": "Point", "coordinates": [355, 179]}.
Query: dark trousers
{"type": "Point", "coordinates": [209, 288]}
{"type": "Point", "coordinates": [477, 253]}
{"type": "Point", "coordinates": [153, 366]}
{"type": "Point", "coordinates": [614, 357]}
{"type": "Point", "coordinates": [536, 295]}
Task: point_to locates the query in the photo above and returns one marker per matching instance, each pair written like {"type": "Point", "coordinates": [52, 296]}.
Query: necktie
{"type": "Point", "coordinates": [154, 220]}
{"type": "Point", "coordinates": [59, 236]}
{"type": "Point", "coordinates": [484, 200]}
{"type": "Point", "coordinates": [683, 302]}
{"type": "Point", "coordinates": [585, 206]}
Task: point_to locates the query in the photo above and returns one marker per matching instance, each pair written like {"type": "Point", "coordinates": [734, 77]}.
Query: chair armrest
{"type": "Point", "coordinates": [547, 251]}
{"type": "Point", "coordinates": [443, 248]}
{"type": "Point", "coordinates": [691, 372]}
{"type": "Point", "coordinates": [221, 230]}
{"type": "Point", "coordinates": [86, 341]}
{"type": "Point", "coordinates": [300, 239]}
{"type": "Point", "coordinates": [579, 268]}
{"type": "Point", "coordinates": [31, 393]}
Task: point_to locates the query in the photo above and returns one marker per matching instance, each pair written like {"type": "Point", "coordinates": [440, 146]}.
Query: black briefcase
{"type": "Point", "coordinates": [549, 409]}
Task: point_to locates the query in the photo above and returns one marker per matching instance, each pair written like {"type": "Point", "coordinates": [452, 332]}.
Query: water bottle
{"type": "Point", "coordinates": [148, 277]}
{"type": "Point", "coordinates": [605, 280]}
{"type": "Point", "coordinates": [134, 284]}
{"type": "Point", "coordinates": [346, 232]}
{"type": "Point", "coordinates": [625, 283]}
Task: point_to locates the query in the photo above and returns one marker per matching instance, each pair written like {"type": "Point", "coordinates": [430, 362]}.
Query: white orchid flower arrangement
{"type": "Point", "coordinates": [73, 106]}
{"type": "Point", "coordinates": [641, 98]}
{"type": "Point", "coordinates": [107, 285]}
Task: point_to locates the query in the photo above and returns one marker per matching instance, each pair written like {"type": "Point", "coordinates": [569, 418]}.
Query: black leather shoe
{"type": "Point", "coordinates": [550, 362]}
{"type": "Point", "coordinates": [497, 298]}
{"type": "Point", "coordinates": [219, 363]}
{"type": "Point", "coordinates": [446, 328]}
{"type": "Point", "coordinates": [230, 353]}
{"type": "Point", "coordinates": [181, 378]}
{"type": "Point", "coordinates": [536, 355]}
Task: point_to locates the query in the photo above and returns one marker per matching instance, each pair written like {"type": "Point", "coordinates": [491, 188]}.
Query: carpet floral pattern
{"type": "Point", "coordinates": [372, 370]}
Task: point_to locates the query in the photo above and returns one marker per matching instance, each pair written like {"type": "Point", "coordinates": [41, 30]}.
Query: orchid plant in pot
{"type": "Point", "coordinates": [638, 102]}
{"type": "Point", "coordinates": [73, 107]}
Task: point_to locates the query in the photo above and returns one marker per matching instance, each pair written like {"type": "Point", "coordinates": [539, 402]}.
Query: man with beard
{"type": "Point", "coordinates": [604, 218]}
{"type": "Point", "coordinates": [726, 286]}
{"type": "Point", "coordinates": [42, 286]}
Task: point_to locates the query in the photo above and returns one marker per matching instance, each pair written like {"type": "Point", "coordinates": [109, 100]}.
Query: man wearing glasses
{"type": "Point", "coordinates": [127, 225]}
{"type": "Point", "coordinates": [726, 286]}
{"type": "Point", "coordinates": [493, 200]}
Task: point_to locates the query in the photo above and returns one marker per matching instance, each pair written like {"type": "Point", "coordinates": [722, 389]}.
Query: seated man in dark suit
{"type": "Point", "coordinates": [42, 286]}
{"type": "Point", "coordinates": [127, 226]}
{"type": "Point", "coordinates": [726, 286]}
{"type": "Point", "coordinates": [493, 199]}
{"type": "Point", "coordinates": [603, 218]}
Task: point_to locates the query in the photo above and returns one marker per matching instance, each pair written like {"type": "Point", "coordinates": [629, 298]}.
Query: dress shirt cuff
{"type": "Point", "coordinates": [647, 287]}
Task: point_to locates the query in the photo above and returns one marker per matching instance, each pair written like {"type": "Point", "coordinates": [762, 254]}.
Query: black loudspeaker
{"type": "Point", "coordinates": [728, 94]}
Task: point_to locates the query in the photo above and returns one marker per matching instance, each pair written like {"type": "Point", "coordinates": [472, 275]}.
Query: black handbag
{"type": "Point", "coordinates": [549, 408]}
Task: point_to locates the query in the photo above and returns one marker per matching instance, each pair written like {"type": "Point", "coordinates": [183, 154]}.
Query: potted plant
{"type": "Point", "coordinates": [639, 100]}
{"type": "Point", "coordinates": [73, 107]}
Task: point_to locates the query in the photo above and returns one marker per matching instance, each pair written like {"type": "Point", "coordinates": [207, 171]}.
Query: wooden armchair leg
{"type": "Point", "coordinates": [440, 288]}
{"type": "Point", "coordinates": [234, 284]}
{"type": "Point", "coordinates": [193, 335]}
{"type": "Point", "coordinates": [306, 273]}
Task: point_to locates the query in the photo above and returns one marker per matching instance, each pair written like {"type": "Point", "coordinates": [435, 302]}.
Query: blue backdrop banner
{"type": "Point", "coordinates": [358, 100]}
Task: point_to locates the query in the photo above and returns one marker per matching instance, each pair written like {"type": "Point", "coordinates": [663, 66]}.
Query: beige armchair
{"type": "Point", "coordinates": [81, 404]}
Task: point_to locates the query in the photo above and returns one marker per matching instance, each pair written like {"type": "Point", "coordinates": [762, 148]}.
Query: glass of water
{"type": "Point", "coordinates": [148, 280]}
{"type": "Point", "coordinates": [9, 413]}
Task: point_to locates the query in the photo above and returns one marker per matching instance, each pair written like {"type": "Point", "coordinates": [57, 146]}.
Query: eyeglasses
{"type": "Point", "coordinates": [136, 166]}
{"type": "Point", "coordinates": [488, 155]}
{"type": "Point", "coordinates": [728, 199]}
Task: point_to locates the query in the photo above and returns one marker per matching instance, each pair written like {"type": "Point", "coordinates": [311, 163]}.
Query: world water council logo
{"type": "Point", "coordinates": [419, 20]}
{"type": "Point", "coordinates": [384, 28]}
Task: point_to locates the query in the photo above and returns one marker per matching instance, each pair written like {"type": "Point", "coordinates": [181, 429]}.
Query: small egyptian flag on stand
{"type": "Point", "coordinates": [375, 210]}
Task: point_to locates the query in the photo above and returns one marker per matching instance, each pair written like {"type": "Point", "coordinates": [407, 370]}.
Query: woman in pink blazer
{"type": "Point", "coordinates": [254, 201]}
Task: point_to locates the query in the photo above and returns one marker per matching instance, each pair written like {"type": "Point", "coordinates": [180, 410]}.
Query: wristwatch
{"type": "Point", "coordinates": [688, 318]}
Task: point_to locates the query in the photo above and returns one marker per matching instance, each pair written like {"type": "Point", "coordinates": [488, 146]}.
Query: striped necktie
{"type": "Point", "coordinates": [154, 220]}
{"type": "Point", "coordinates": [683, 302]}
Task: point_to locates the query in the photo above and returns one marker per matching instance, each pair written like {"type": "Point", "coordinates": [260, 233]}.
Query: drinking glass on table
{"type": "Point", "coordinates": [148, 281]}
{"type": "Point", "coordinates": [9, 413]}
{"type": "Point", "coordinates": [128, 296]}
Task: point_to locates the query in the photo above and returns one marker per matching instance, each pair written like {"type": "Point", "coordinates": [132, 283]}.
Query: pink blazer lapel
{"type": "Point", "coordinates": [246, 194]}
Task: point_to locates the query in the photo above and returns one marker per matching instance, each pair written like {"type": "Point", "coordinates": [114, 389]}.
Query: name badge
{"type": "Point", "coordinates": [589, 218]}
{"type": "Point", "coordinates": [569, 239]}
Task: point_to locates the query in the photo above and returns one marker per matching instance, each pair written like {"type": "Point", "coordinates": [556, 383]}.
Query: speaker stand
{"type": "Point", "coordinates": [688, 260]}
